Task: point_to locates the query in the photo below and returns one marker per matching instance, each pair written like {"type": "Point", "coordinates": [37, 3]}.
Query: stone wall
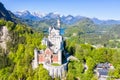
{"type": "Point", "coordinates": [56, 71]}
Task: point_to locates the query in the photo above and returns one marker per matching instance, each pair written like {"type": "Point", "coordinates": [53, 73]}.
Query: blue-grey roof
{"type": "Point", "coordinates": [103, 71]}
{"type": "Point", "coordinates": [103, 65]}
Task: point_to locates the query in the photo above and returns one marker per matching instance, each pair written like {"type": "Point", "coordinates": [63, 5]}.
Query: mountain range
{"type": "Point", "coordinates": [69, 19]}
{"type": "Point", "coordinates": [42, 17]}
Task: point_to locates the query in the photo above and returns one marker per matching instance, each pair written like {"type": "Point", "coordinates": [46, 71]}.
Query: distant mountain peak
{"type": "Point", "coordinates": [23, 12]}
{"type": "Point", "coordinates": [68, 19]}
{"type": "Point", "coordinates": [39, 14]}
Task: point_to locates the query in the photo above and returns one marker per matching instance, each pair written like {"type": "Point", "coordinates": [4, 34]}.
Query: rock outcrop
{"type": "Point", "coordinates": [4, 37]}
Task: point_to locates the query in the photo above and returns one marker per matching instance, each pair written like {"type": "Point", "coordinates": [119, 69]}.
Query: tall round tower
{"type": "Point", "coordinates": [58, 23]}
{"type": "Point", "coordinates": [35, 61]}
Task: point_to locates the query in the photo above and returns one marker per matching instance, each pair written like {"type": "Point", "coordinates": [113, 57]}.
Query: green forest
{"type": "Point", "coordinates": [91, 56]}
{"type": "Point", "coordinates": [16, 60]}
{"type": "Point", "coordinates": [90, 46]}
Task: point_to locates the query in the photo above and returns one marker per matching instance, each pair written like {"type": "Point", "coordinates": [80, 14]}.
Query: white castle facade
{"type": "Point", "coordinates": [52, 54]}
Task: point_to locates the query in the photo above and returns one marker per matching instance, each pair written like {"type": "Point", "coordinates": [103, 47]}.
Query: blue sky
{"type": "Point", "coordinates": [102, 9]}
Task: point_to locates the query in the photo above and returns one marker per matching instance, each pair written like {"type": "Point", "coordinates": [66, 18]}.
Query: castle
{"type": "Point", "coordinates": [52, 54]}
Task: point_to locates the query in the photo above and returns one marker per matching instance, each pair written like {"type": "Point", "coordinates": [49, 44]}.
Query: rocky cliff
{"type": "Point", "coordinates": [4, 37]}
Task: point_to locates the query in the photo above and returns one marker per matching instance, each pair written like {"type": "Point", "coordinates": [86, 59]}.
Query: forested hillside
{"type": "Point", "coordinates": [92, 44]}
{"type": "Point", "coordinates": [86, 31]}
{"type": "Point", "coordinates": [91, 56]}
{"type": "Point", "coordinates": [17, 43]}
{"type": "Point", "coordinates": [16, 60]}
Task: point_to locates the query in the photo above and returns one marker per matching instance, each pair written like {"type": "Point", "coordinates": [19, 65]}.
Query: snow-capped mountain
{"type": "Point", "coordinates": [69, 19]}
{"type": "Point", "coordinates": [29, 15]}
{"type": "Point", "coordinates": [38, 16]}
{"type": "Point", "coordinates": [22, 13]}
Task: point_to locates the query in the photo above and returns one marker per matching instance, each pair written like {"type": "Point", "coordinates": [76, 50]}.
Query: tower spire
{"type": "Point", "coordinates": [58, 23]}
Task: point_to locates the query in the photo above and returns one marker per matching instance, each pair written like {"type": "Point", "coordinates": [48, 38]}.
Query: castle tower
{"type": "Point", "coordinates": [60, 57]}
{"type": "Point", "coordinates": [58, 23]}
{"type": "Point", "coordinates": [35, 61]}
